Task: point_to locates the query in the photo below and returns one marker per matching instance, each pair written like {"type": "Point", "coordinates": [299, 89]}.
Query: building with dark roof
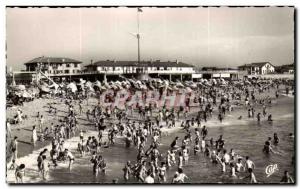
{"type": "Point", "coordinates": [285, 69]}
{"type": "Point", "coordinates": [54, 65]}
{"type": "Point", "coordinates": [153, 68]}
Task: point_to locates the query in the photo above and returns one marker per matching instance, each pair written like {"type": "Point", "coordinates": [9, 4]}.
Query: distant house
{"type": "Point", "coordinates": [285, 69]}
{"type": "Point", "coordinates": [258, 68]}
{"type": "Point", "coordinates": [218, 72]}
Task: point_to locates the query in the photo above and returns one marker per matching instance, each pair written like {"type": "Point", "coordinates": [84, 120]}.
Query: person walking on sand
{"type": "Point", "coordinates": [20, 173]}
{"type": "Point", "coordinates": [14, 149]}
{"type": "Point", "coordinates": [45, 167]}
{"type": "Point", "coordinates": [8, 128]}
{"type": "Point", "coordinates": [33, 136]}
{"type": "Point", "coordinates": [71, 158]}
{"type": "Point", "coordinates": [41, 123]}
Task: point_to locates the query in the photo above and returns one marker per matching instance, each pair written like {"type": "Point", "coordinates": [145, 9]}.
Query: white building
{"type": "Point", "coordinates": [153, 68]}
{"type": "Point", "coordinates": [258, 68]}
{"type": "Point", "coordinates": [54, 66]}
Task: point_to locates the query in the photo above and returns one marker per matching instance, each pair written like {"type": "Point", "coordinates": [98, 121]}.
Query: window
{"type": "Point", "coordinates": [68, 65]}
{"type": "Point", "coordinates": [66, 71]}
{"type": "Point", "coordinates": [75, 65]}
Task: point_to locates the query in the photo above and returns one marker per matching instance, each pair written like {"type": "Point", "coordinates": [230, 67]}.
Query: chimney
{"type": "Point", "coordinates": [176, 61]}
{"type": "Point", "coordinates": [92, 62]}
{"type": "Point", "coordinates": [115, 61]}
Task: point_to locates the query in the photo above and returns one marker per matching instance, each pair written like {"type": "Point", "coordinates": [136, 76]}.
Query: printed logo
{"type": "Point", "coordinates": [270, 169]}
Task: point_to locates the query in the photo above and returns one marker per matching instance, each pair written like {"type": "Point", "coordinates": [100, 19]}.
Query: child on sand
{"type": "Point", "coordinates": [20, 173]}
{"type": "Point", "coordinates": [45, 167]}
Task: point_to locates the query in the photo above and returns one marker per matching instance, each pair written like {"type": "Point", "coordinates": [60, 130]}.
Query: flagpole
{"type": "Point", "coordinates": [138, 34]}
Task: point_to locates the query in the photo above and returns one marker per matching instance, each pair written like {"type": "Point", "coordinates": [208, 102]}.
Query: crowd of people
{"type": "Point", "coordinates": [142, 125]}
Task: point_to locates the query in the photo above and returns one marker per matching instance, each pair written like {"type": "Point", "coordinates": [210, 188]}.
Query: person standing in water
{"type": "Point", "coordinates": [251, 176]}
{"type": "Point", "coordinates": [127, 171]}
{"type": "Point", "coordinates": [71, 158]}
{"type": "Point", "coordinates": [286, 178]}
{"type": "Point", "coordinates": [276, 139]}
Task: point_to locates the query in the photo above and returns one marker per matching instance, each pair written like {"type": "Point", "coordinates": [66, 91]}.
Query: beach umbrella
{"type": "Point", "coordinates": [73, 87]}
{"type": "Point", "coordinates": [45, 89]}
{"type": "Point", "coordinates": [179, 84]}
{"type": "Point", "coordinates": [193, 85]}
{"type": "Point", "coordinates": [19, 87]}
{"type": "Point", "coordinates": [188, 89]}
{"type": "Point", "coordinates": [26, 94]}
{"type": "Point", "coordinates": [175, 88]}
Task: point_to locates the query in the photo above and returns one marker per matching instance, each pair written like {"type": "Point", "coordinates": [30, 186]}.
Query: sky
{"type": "Point", "coordinates": [222, 37]}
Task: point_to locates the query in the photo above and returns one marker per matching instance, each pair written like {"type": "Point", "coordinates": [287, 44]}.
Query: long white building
{"type": "Point", "coordinates": [171, 70]}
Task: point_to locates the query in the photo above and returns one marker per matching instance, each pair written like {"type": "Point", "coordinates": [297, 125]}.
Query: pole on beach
{"type": "Point", "coordinates": [138, 33]}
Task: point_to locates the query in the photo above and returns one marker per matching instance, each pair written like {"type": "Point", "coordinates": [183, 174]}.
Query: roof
{"type": "Point", "coordinates": [110, 63]}
{"type": "Point", "coordinates": [52, 60]}
{"type": "Point", "coordinates": [258, 64]}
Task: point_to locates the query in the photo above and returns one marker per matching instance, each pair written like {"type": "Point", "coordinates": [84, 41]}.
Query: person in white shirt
{"type": "Point", "coordinates": [181, 176]}
{"type": "Point", "coordinates": [249, 164]}
{"type": "Point", "coordinates": [239, 165]}
{"type": "Point", "coordinates": [149, 179]}
{"type": "Point", "coordinates": [226, 157]}
{"type": "Point", "coordinates": [8, 129]}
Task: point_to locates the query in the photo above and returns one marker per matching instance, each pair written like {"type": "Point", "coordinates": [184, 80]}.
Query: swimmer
{"type": "Point", "coordinates": [276, 139]}
{"type": "Point", "coordinates": [251, 176]}
{"type": "Point", "coordinates": [162, 173]}
{"type": "Point", "coordinates": [127, 171]}
{"type": "Point", "coordinates": [286, 178]}
{"type": "Point", "coordinates": [196, 147]}
{"type": "Point", "coordinates": [180, 160]}
{"type": "Point", "coordinates": [185, 152]}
